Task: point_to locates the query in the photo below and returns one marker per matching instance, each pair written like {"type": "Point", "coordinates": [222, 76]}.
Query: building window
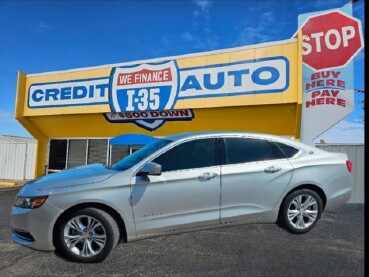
{"type": "Point", "coordinates": [77, 153]}
{"type": "Point", "coordinates": [58, 154]}
{"type": "Point", "coordinates": [97, 151]}
{"type": "Point", "coordinates": [69, 153]}
{"type": "Point", "coordinates": [118, 152]}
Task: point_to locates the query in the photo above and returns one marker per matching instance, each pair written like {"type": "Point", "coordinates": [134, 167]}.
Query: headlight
{"type": "Point", "coordinates": [30, 202]}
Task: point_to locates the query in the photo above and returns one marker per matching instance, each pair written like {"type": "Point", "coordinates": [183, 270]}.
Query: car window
{"type": "Point", "coordinates": [288, 151]}
{"type": "Point", "coordinates": [243, 150]}
{"type": "Point", "coordinates": [192, 154]}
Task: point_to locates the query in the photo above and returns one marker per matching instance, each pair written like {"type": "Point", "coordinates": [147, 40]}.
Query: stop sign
{"type": "Point", "coordinates": [330, 40]}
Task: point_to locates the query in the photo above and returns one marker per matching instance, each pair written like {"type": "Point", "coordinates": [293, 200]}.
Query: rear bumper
{"type": "Point", "coordinates": [338, 192]}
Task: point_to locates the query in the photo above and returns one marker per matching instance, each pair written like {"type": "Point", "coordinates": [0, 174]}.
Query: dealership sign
{"type": "Point", "coordinates": [151, 90]}
{"type": "Point", "coordinates": [159, 86]}
{"type": "Point", "coordinates": [144, 87]}
{"type": "Point", "coordinates": [150, 120]}
{"type": "Point", "coordinates": [69, 93]}
{"type": "Point", "coordinates": [330, 34]}
{"type": "Point", "coordinates": [330, 41]}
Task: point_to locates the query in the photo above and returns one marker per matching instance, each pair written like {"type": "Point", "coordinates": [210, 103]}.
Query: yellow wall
{"type": "Point", "coordinates": [276, 119]}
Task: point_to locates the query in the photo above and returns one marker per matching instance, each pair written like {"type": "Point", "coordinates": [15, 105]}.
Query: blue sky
{"type": "Point", "coordinates": [40, 36]}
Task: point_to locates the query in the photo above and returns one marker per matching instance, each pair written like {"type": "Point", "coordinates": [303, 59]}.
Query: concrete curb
{"type": "Point", "coordinates": [7, 184]}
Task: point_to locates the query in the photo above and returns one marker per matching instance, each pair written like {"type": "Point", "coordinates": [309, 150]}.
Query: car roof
{"type": "Point", "coordinates": [223, 133]}
{"type": "Point", "coordinates": [283, 139]}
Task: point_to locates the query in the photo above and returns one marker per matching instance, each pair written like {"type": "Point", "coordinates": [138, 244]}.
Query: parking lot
{"type": "Point", "coordinates": [335, 247]}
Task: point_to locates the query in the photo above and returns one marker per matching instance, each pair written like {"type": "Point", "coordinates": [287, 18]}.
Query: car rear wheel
{"type": "Point", "coordinates": [87, 235]}
{"type": "Point", "coordinates": [301, 210]}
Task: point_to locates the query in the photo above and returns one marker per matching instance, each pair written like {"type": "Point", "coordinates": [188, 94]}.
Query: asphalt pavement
{"type": "Point", "coordinates": [335, 247]}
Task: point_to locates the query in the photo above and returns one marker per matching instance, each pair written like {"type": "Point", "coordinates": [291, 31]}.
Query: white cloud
{"type": "Point", "coordinates": [202, 39]}
{"type": "Point", "coordinates": [187, 36]}
{"type": "Point", "coordinates": [251, 35]}
{"type": "Point", "coordinates": [267, 18]}
{"type": "Point", "coordinates": [202, 43]}
{"type": "Point", "coordinates": [42, 27]}
{"type": "Point", "coordinates": [208, 43]}
{"type": "Point", "coordinates": [6, 116]}
{"type": "Point", "coordinates": [204, 5]}
{"type": "Point", "coordinates": [260, 29]}
{"type": "Point", "coordinates": [320, 4]}
{"type": "Point", "coordinates": [344, 132]}
{"type": "Point", "coordinates": [202, 11]}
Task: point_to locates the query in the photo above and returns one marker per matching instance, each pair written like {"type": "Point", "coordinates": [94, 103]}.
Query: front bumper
{"type": "Point", "coordinates": [34, 227]}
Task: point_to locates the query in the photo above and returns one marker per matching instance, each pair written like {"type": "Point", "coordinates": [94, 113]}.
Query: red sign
{"type": "Point", "coordinates": [326, 88]}
{"type": "Point", "coordinates": [330, 40]}
{"type": "Point", "coordinates": [144, 76]}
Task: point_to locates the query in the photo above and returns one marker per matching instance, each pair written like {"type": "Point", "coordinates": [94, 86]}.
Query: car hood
{"type": "Point", "coordinates": [83, 175]}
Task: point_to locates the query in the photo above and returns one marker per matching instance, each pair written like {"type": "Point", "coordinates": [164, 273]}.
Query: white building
{"type": "Point", "coordinates": [17, 157]}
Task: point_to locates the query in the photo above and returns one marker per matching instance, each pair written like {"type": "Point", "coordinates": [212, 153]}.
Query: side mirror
{"type": "Point", "coordinates": [150, 168]}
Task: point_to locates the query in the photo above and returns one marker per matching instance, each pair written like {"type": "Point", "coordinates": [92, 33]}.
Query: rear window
{"type": "Point", "coordinates": [244, 150]}
{"type": "Point", "coordinates": [287, 150]}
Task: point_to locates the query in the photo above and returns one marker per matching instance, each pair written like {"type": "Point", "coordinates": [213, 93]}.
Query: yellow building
{"type": "Point", "coordinates": [74, 113]}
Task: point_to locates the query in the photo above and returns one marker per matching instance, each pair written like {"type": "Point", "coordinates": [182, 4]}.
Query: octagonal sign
{"type": "Point", "coordinates": [330, 40]}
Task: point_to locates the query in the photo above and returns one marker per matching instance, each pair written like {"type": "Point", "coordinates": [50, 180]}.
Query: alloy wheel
{"type": "Point", "coordinates": [303, 211]}
{"type": "Point", "coordinates": [85, 236]}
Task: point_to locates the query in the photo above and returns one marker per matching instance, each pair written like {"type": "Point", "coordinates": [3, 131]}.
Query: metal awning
{"type": "Point", "coordinates": [132, 139]}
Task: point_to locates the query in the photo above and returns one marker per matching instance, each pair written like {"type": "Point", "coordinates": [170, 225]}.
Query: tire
{"type": "Point", "coordinates": [300, 211]}
{"type": "Point", "coordinates": [87, 235]}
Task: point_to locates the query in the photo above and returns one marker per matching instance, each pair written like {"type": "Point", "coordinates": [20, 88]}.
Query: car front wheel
{"type": "Point", "coordinates": [301, 210]}
{"type": "Point", "coordinates": [87, 235]}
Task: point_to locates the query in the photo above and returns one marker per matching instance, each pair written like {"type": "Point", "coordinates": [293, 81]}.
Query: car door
{"type": "Point", "coordinates": [185, 195]}
{"type": "Point", "coordinates": [254, 175]}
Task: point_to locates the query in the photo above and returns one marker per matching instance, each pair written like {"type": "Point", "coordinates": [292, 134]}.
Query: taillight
{"type": "Point", "coordinates": [349, 166]}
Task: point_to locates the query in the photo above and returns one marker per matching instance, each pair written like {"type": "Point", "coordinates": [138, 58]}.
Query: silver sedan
{"type": "Point", "coordinates": [178, 184]}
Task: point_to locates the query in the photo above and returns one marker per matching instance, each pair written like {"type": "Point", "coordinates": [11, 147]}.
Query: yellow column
{"type": "Point", "coordinates": [42, 140]}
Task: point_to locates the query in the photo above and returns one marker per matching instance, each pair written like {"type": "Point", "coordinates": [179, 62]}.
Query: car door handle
{"type": "Point", "coordinates": [272, 169]}
{"type": "Point", "coordinates": [207, 176]}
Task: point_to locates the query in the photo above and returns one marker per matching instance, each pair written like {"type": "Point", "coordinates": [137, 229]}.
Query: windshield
{"type": "Point", "coordinates": [139, 155]}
